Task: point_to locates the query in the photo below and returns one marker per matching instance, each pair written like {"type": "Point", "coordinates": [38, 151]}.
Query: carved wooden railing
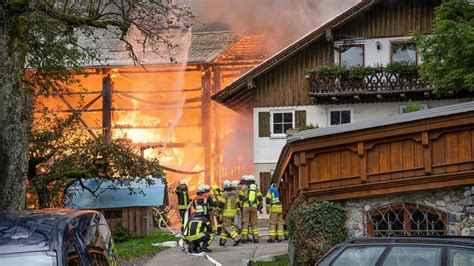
{"type": "Point", "coordinates": [379, 82]}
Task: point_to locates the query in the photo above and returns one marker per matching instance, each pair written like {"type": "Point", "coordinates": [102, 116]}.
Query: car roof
{"type": "Point", "coordinates": [36, 230]}
{"type": "Point", "coordinates": [431, 240]}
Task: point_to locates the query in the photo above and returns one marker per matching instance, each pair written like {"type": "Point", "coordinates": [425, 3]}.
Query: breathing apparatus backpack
{"type": "Point", "coordinates": [252, 194]}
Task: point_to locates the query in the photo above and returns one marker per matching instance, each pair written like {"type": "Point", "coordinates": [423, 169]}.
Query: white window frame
{"type": "Point", "coordinates": [423, 106]}
{"type": "Point", "coordinates": [351, 110]}
{"type": "Point", "coordinates": [272, 112]}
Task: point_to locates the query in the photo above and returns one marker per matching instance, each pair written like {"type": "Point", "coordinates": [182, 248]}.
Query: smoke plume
{"type": "Point", "coordinates": [283, 21]}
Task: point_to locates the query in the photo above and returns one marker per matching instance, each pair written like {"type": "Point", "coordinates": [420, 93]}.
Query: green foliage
{"type": "Point", "coordinates": [448, 54]}
{"type": "Point", "coordinates": [60, 154]}
{"type": "Point", "coordinates": [332, 70]}
{"type": "Point", "coordinates": [141, 247]}
{"type": "Point", "coordinates": [362, 71]}
{"type": "Point", "coordinates": [411, 107]}
{"type": "Point", "coordinates": [402, 67]}
{"type": "Point", "coordinates": [282, 260]}
{"type": "Point", "coordinates": [310, 126]}
{"type": "Point", "coordinates": [121, 234]}
{"type": "Point", "coordinates": [315, 228]}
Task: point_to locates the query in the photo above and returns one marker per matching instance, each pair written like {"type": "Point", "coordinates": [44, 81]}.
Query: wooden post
{"type": "Point", "coordinates": [206, 122]}
{"type": "Point", "coordinates": [106, 104]}
{"type": "Point", "coordinates": [216, 87]}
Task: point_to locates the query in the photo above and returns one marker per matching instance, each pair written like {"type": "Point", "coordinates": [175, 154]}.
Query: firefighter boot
{"type": "Point", "coordinates": [222, 242]}
{"type": "Point", "coordinates": [237, 242]}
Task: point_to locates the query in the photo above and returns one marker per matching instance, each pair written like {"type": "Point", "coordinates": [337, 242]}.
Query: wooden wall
{"type": "Point", "coordinates": [286, 84]}
{"type": "Point", "coordinates": [139, 220]}
{"type": "Point", "coordinates": [428, 154]}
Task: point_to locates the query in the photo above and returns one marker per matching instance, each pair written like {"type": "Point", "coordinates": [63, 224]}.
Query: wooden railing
{"type": "Point", "coordinates": [427, 154]}
{"type": "Point", "coordinates": [379, 83]}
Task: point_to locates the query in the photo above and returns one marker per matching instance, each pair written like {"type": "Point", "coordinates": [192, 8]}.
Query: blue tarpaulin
{"type": "Point", "coordinates": [109, 194]}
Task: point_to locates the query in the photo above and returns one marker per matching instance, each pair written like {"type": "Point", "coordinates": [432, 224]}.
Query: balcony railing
{"type": "Point", "coordinates": [377, 84]}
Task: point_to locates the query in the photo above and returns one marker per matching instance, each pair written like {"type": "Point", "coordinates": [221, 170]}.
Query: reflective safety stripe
{"type": "Point", "coordinates": [245, 231]}
{"type": "Point", "coordinates": [271, 233]}
{"type": "Point", "coordinates": [279, 233]}
{"type": "Point", "coordinates": [255, 231]}
{"type": "Point", "coordinates": [277, 208]}
{"type": "Point", "coordinates": [234, 234]}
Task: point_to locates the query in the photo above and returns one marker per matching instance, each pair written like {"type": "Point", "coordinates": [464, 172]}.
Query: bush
{"type": "Point", "coordinates": [121, 233]}
{"type": "Point", "coordinates": [362, 71]}
{"type": "Point", "coordinates": [332, 70]}
{"type": "Point", "coordinates": [315, 228]}
{"type": "Point", "coordinates": [402, 67]}
{"type": "Point", "coordinates": [310, 126]}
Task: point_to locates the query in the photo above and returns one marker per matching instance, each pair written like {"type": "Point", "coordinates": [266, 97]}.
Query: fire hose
{"type": "Point", "coordinates": [182, 243]}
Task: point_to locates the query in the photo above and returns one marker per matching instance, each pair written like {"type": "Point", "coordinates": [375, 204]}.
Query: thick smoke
{"type": "Point", "coordinates": [283, 21]}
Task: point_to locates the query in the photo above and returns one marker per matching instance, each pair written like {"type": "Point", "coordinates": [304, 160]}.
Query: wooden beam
{"type": "Point", "coordinates": [107, 105]}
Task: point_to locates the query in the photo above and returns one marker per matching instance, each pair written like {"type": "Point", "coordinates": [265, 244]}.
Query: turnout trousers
{"type": "Point", "coordinates": [228, 230]}
{"type": "Point", "coordinates": [249, 223]}
{"type": "Point", "coordinates": [276, 226]}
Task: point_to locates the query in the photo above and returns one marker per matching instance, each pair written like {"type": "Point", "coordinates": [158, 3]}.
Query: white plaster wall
{"type": "Point", "coordinates": [372, 55]}
{"type": "Point", "coordinates": [267, 149]}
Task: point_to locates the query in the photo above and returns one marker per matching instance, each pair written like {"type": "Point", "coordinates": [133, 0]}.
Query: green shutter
{"type": "Point", "coordinates": [264, 124]}
{"type": "Point", "coordinates": [300, 117]}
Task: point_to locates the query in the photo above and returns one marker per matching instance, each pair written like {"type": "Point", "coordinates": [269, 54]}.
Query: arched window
{"type": "Point", "coordinates": [406, 219]}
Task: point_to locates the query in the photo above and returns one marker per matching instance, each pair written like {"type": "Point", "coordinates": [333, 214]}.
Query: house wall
{"type": "Point", "coordinates": [267, 149]}
{"type": "Point", "coordinates": [286, 84]}
{"type": "Point", "coordinates": [372, 55]}
{"type": "Point", "coordinates": [457, 202]}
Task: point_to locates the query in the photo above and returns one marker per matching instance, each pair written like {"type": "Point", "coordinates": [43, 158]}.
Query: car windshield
{"type": "Point", "coordinates": [30, 258]}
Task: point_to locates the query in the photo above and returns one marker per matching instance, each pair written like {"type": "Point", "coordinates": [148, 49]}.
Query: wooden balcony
{"type": "Point", "coordinates": [381, 86]}
{"type": "Point", "coordinates": [431, 149]}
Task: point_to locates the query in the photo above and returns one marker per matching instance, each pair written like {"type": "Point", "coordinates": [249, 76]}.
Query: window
{"type": "Point", "coordinates": [419, 256]}
{"type": "Point", "coordinates": [351, 55]}
{"type": "Point", "coordinates": [340, 116]}
{"type": "Point", "coordinates": [461, 257]}
{"type": "Point", "coordinates": [403, 51]}
{"type": "Point", "coordinates": [406, 219]}
{"type": "Point", "coordinates": [359, 256]}
{"type": "Point", "coordinates": [281, 121]}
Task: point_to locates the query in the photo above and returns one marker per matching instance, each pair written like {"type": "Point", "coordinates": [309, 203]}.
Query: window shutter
{"type": "Point", "coordinates": [264, 124]}
{"type": "Point", "coordinates": [300, 117]}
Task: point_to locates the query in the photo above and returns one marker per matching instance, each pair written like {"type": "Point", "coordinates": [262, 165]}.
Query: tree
{"type": "Point", "coordinates": [40, 48]}
{"type": "Point", "coordinates": [60, 156]}
{"type": "Point", "coordinates": [448, 54]}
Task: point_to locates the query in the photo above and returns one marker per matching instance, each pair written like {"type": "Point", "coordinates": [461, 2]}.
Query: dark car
{"type": "Point", "coordinates": [55, 237]}
{"type": "Point", "coordinates": [402, 251]}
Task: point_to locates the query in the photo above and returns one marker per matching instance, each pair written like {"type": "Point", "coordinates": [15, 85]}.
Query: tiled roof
{"type": "Point", "coordinates": [205, 48]}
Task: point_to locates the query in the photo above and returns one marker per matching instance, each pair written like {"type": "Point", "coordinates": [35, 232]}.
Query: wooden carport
{"type": "Point", "coordinates": [424, 150]}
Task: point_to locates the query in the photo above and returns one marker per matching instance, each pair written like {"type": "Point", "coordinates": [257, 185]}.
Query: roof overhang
{"type": "Point", "coordinates": [239, 92]}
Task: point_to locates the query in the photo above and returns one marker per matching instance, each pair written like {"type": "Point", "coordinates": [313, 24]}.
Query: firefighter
{"type": "Point", "coordinates": [243, 184]}
{"type": "Point", "coordinates": [236, 187]}
{"type": "Point", "coordinates": [216, 219]}
{"type": "Point", "coordinates": [252, 201]}
{"type": "Point", "coordinates": [229, 203]}
{"type": "Point", "coordinates": [275, 209]}
{"type": "Point", "coordinates": [203, 199]}
{"type": "Point", "coordinates": [183, 201]}
{"type": "Point", "coordinates": [199, 233]}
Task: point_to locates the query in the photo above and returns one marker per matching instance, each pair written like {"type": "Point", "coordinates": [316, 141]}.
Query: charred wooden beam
{"type": "Point", "coordinates": [206, 121]}
{"type": "Point", "coordinates": [107, 104]}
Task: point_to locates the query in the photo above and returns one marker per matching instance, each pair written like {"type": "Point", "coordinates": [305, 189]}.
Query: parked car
{"type": "Point", "coordinates": [402, 251]}
{"type": "Point", "coordinates": [55, 237]}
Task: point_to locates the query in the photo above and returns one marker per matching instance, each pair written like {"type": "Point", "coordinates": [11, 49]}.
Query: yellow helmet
{"type": "Point", "coordinates": [215, 187]}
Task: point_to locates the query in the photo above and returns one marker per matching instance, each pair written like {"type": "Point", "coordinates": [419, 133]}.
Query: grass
{"type": "Point", "coordinates": [141, 247]}
{"type": "Point", "coordinates": [282, 260]}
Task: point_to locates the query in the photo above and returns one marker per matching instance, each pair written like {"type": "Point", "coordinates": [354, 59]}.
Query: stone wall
{"type": "Point", "coordinates": [458, 203]}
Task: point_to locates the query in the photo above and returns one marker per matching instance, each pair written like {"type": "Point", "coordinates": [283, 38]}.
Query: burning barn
{"type": "Point", "coordinates": [164, 105]}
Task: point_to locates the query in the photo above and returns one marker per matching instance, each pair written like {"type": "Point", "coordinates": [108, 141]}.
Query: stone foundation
{"type": "Point", "coordinates": [458, 203]}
